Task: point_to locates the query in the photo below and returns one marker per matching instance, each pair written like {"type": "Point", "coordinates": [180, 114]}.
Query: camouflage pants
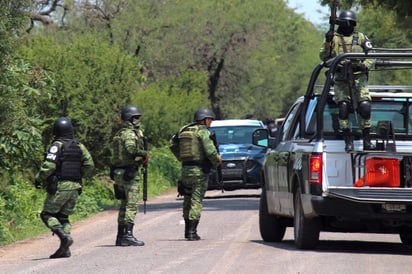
{"type": "Point", "coordinates": [129, 206]}
{"type": "Point", "coordinates": [195, 181]}
{"type": "Point", "coordinates": [362, 94]}
{"type": "Point", "coordinates": [60, 206]}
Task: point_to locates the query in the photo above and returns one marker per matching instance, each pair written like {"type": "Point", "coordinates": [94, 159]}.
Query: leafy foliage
{"type": "Point", "coordinates": [170, 103]}
{"type": "Point", "coordinates": [23, 89]}
{"type": "Point", "coordinates": [94, 81]}
{"type": "Point", "coordinates": [241, 47]}
{"type": "Point", "coordinates": [12, 18]}
{"type": "Point", "coordinates": [164, 171]}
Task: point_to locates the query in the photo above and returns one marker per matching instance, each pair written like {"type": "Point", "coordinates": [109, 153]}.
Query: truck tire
{"type": "Point", "coordinates": [406, 236]}
{"type": "Point", "coordinates": [306, 230]}
{"type": "Point", "coordinates": [270, 226]}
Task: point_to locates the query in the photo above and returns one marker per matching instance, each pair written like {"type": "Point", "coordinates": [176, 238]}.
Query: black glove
{"type": "Point", "coordinates": [363, 68]}
{"type": "Point", "coordinates": [329, 36]}
{"type": "Point", "coordinates": [37, 184]}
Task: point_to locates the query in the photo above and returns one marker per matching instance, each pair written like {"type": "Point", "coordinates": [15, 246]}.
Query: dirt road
{"type": "Point", "coordinates": [230, 243]}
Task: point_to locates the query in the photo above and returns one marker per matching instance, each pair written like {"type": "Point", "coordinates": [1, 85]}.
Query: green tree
{"type": "Point", "coordinates": [170, 103]}
{"type": "Point", "coordinates": [221, 39]}
{"type": "Point", "coordinates": [22, 88]}
{"type": "Point", "coordinates": [94, 81]}
{"type": "Point", "coordinates": [12, 19]}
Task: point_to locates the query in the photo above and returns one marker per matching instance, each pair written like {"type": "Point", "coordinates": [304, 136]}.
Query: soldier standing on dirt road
{"type": "Point", "coordinates": [128, 154]}
{"type": "Point", "coordinates": [66, 162]}
{"type": "Point", "coordinates": [193, 146]}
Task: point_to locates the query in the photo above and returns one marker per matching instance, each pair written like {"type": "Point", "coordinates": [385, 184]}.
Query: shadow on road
{"type": "Point", "coordinates": [360, 247]}
{"type": "Point", "coordinates": [232, 204]}
{"type": "Point", "coordinates": [223, 196]}
{"type": "Point", "coordinates": [223, 203]}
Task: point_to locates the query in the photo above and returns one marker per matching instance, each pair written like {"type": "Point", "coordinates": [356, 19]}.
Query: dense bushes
{"type": "Point", "coordinates": [163, 172]}
{"type": "Point", "coordinates": [93, 82]}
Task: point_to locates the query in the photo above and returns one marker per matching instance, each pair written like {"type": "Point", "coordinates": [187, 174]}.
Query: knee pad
{"type": "Point", "coordinates": [64, 221]}
{"type": "Point", "coordinates": [63, 218]}
{"type": "Point", "coordinates": [344, 109]}
{"type": "Point", "coordinates": [45, 216]}
{"type": "Point", "coordinates": [364, 109]}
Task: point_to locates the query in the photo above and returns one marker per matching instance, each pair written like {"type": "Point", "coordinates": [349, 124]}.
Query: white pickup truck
{"type": "Point", "coordinates": [311, 183]}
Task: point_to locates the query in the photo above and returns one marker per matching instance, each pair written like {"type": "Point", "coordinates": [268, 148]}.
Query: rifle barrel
{"type": "Point", "coordinates": [144, 172]}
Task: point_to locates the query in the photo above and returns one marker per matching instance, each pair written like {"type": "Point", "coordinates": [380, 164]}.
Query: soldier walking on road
{"type": "Point", "coordinates": [193, 146]}
{"type": "Point", "coordinates": [348, 39]}
{"type": "Point", "coordinates": [128, 154]}
{"type": "Point", "coordinates": [66, 162]}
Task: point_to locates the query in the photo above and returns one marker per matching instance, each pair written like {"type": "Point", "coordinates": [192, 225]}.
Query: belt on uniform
{"type": "Point", "coordinates": [191, 163]}
{"type": "Point", "coordinates": [125, 167]}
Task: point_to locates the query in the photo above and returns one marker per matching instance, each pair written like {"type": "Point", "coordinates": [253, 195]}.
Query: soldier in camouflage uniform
{"type": "Point", "coordinates": [347, 39]}
{"type": "Point", "coordinates": [66, 163]}
{"type": "Point", "coordinates": [194, 148]}
{"type": "Point", "coordinates": [128, 154]}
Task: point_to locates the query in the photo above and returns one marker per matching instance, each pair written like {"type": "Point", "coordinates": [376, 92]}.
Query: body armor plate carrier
{"type": "Point", "coordinates": [190, 145]}
{"type": "Point", "coordinates": [69, 166]}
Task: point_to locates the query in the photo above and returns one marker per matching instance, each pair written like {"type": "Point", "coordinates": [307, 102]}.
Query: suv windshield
{"type": "Point", "coordinates": [234, 134]}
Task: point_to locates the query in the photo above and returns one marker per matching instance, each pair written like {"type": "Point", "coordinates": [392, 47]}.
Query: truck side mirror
{"type": "Point", "coordinates": [260, 137]}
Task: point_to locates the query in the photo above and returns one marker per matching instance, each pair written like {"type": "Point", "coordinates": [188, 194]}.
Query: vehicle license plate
{"type": "Point", "coordinates": [394, 207]}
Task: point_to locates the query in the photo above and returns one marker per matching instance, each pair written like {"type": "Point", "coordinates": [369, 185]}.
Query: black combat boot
{"type": "Point", "coordinates": [65, 242]}
{"type": "Point", "coordinates": [121, 231]}
{"type": "Point", "coordinates": [367, 144]}
{"type": "Point", "coordinates": [192, 233]}
{"type": "Point", "coordinates": [186, 228]}
{"type": "Point", "coordinates": [128, 238]}
{"type": "Point", "coordinates": [348, 140]}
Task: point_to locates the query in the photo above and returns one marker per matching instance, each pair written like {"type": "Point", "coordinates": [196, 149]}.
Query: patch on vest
{"type": "Point", "coordinates": [52, 155]}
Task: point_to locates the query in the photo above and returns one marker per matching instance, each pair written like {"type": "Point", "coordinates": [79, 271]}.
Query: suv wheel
{"type": "Point", "coordinates": [306, 230]}
{"type": "Point", "coordinates": [271, 227]}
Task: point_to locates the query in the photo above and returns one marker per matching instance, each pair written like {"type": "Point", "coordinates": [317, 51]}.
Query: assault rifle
{"type": "Point", "coordinates": [349, 76]}
{"type": "Point", "coordinates": [218, 173]}
{"type": "Point", "coordinates": [333, 19]}
{"type": "Point", "coordinates": [144, 172]}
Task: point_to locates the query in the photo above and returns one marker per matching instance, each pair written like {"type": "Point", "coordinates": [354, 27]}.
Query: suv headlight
{"type": "Point", "coordinates": [250, 164]}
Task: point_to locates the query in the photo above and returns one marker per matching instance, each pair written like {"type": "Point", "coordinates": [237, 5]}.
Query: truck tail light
{"type": "Point", "coordinates": [315, 169]}
{"type": "Point", "coordinates": [383, 172]}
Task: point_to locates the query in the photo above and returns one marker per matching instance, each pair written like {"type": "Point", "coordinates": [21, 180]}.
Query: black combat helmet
{"type": "Point", "coordinates": [347, 17]}
{"type": "Point", "coordinates": [130, 111]}
{"type": "Point", "coordinates": [63, 128]}
{"type": "Point", "coordinates": [203, 113]}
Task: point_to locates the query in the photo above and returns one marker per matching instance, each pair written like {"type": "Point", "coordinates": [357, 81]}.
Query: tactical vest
{"type": "Point", "coordinates": [190, 146]}
{"type": "Point", "coordinates": [349, 43]}
{"type": "Point", "coordinates": [70, 161]}
{"type": "Point", "coordinates": [121, 157]}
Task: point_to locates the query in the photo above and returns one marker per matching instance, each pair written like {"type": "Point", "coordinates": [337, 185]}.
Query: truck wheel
{"type": "Point", "coordinates": [271, 227]}
{"type": "Point", "coordinates": [406, 236]}
{"type": "Point", "coordinates": [306, 230]}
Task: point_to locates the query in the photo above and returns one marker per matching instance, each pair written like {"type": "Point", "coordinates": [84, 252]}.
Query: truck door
{"type": "Point", "coordinates": [283, 162]}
